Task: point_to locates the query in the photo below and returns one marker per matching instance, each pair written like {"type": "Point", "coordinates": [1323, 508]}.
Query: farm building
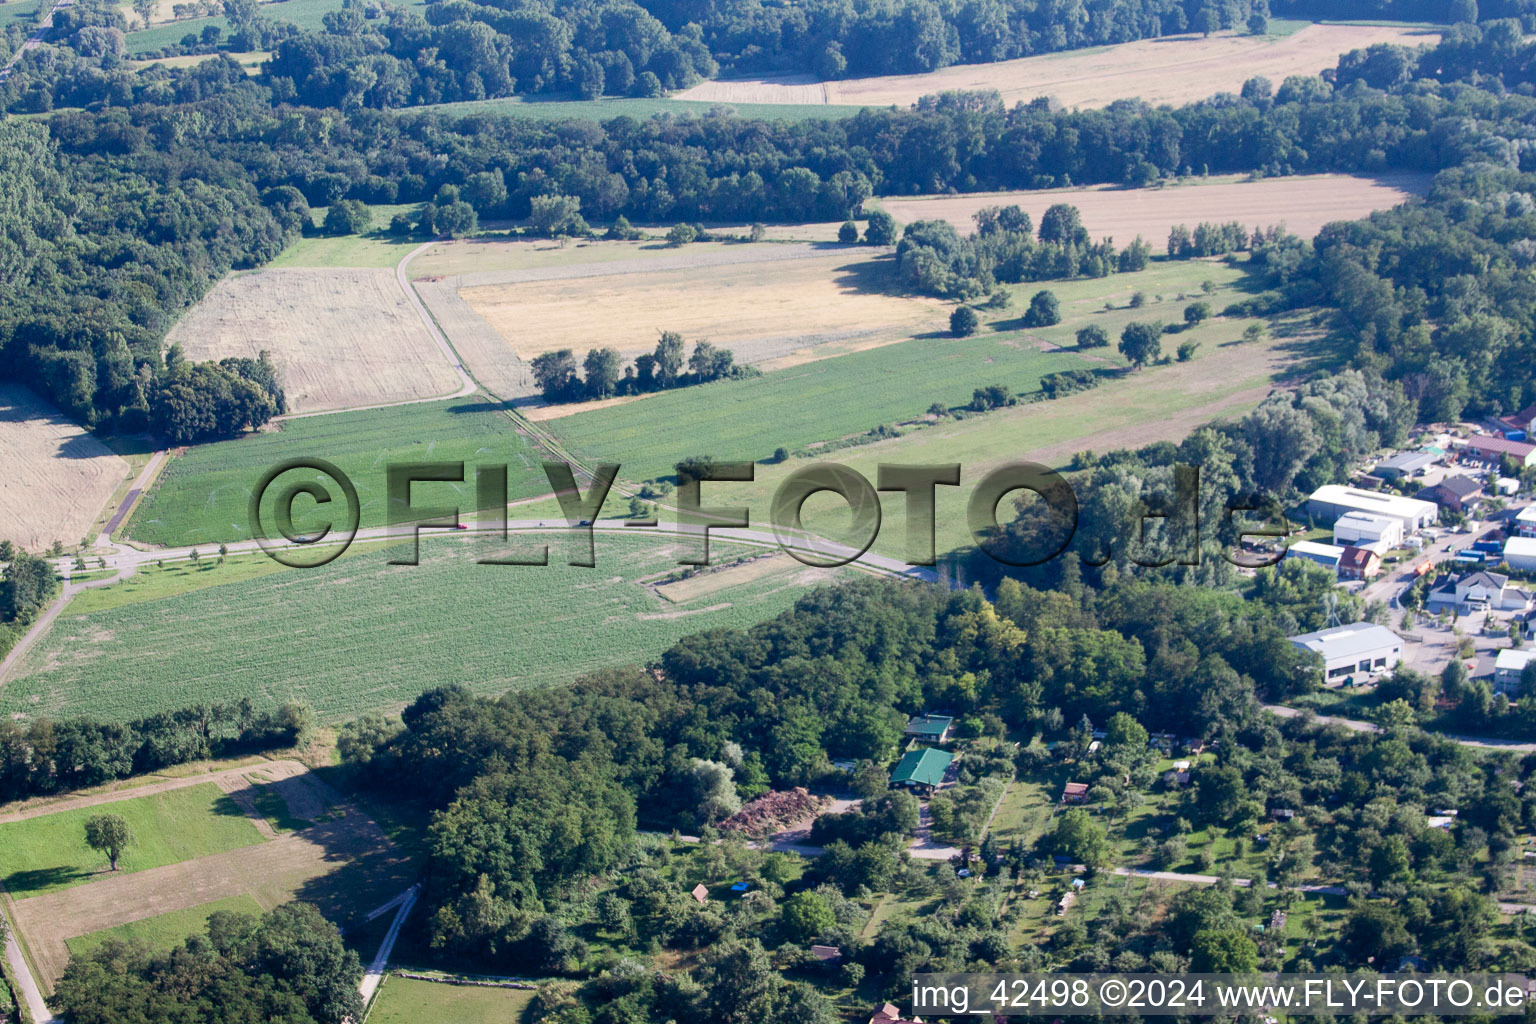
{"type": "Point", "coordinates": [1508, 670]}
{"type": "Point", "coordinates": [1480, 591]}
{"type": "Point", "coordinates": [1331, 501]}
{"type": "Point", "coordinates": [1520, 553]}
{"type": "Point", "coordinates": [1408, 464]}
{"type": "Point", "coordinates": [1489, 451]}
{"type": "Point", "coordinates": [1456, 493]}
{"type": "Point", "coordinates": [1074, 793]}
{"type": "Point", "coordinates": [1325, 555]}
{"type": "Point", "coordinates": [1359, 564]}
{"type": "Point", "coordinates": [922, 769]}
{"type": "Point", "coordinates": [1367, 528]}
{"type": "Point", "coordinates": [930, 728]}
{"type": "Point", "coordinates": [1360, 648]}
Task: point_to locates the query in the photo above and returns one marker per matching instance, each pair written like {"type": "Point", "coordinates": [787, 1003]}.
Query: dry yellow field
{"type": "Point", "coordinates": [1173, 69]}
{"type": "Point", "coordinates": [342, 339]}
{"type": "Point", "coordinates": [761, 301]}
{"type": "Point", "coordinates": [57, 476]}
{"type": "Point", "coordinates": [1303, 204]}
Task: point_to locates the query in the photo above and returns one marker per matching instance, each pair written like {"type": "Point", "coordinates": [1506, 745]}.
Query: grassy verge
{"type": "Point", "coordinates": [48, 853]}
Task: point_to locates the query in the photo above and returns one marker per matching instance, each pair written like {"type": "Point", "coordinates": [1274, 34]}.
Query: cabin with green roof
{"type": "Point", "coordinates": [930, 728]}
{"type": "Point", "coordinates": [922, 769]}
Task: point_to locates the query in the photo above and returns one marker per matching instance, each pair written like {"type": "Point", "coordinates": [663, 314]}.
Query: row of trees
{"type": "Point", "coordinates": [933, 259]}
{"type": "Point", "coordinates": [606, 373]}
{"type": "Point", "coordinates": [41, 757]}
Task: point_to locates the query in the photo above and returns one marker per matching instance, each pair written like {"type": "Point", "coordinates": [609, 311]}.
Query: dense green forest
{"type": "Point", "coordinates": [124, 213]}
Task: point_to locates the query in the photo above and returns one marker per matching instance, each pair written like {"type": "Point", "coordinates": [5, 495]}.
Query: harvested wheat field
{"type": "Point", "coordinates": [341, 338]}
{"type": "Point", "coordinates": [760, 301]}
{"type": "Point", "coordinates": [1303, 204]}
{"type": "Point", "coordinates": [1172, 69]}
{"type": "Point", "coordinates": [57, 476]}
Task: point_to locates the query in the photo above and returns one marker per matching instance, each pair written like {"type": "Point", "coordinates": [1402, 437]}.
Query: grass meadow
{"type": "Point", "coordinates": [202, 496]}
{"type": "Point", "coordinates": [375, 248]}
{"type": "Point", "coordinates": [307, 14]}
{"type": "Point", "coordinates": [163, 931]}
{"type": "Point", "coordinates": [360, 635]}
{"type": "Point", "coordinates": [47, 853]}
{"type": "Point", "coordinates": [623, 106]}
{"type": "Point", "coordinates": [17, 10]}
{"type": "Point", "coordinates": [409, 1001]}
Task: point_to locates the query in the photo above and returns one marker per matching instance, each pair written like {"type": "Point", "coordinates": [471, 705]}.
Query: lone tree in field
{"type": "Point", "coordinates": [1092, 336]}
{"type": "Point", "coordinates": [848, 233]}
{"type": "Point", "coordinates": [963, 321]}
{"type": "Point", "coordinates": [1196, 312]}
{"type": "Point", "coordinates": [110, 834]}
{"type": "Point", "coordinates": [1043, 311]}
{"type": "Point", "coordinates": [881, 228]}
{"type": "Point", "coordinates": [1142, 342]}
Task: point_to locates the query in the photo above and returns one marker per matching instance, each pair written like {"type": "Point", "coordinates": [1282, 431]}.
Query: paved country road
{"type": "Point", "coordinates": [37, 37]}
{"type": "Point", "coordinates": [1512, 746]}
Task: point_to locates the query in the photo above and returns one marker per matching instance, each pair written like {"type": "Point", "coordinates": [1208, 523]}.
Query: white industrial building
{"type": "Point", "coordinates": [1362, 528]}
{"type": "Point", "coordinates": [1520, 554]}
{"type": "Point", "coordinates": [1325, 555]}
{"type": "Point", "coordinates": [1331, 501]}
{"type": "Point", "coordinates": [1359, 649]}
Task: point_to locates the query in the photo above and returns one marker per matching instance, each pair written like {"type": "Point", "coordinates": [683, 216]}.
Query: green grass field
{"type": "Point", "coordinates": [617, 106]}
{"type": "Point", "coordinates": [164, 930]}
{"type": "Point", "coordinates": [848, 395]}
{"type": "Point", "coordinates": [46, 853]}
{"type": "Point", "coordinates": [306, 14]}
{"type": "Point", "coordinates": [360, 635]}
{"type": "Point", "coordinates": [17, 10]}
{"type": "Point", "coordinates": [410, 1001]}
{"type": "Point", "coordinates": [374, 249]}
{"type": "Point", "coordinates": [203, 495]}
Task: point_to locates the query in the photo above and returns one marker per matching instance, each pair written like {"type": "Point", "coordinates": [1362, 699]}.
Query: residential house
{"type": "Point", "coordinates": [1358, 564]}
{"type": "Point", "coordinates": [889, 1014]}
{"type": "Point", "coordinates": [923, 769]}
{"type": "Point", "coordinates": [1480, 591]}
{"type": "Point", "coordinates": [829, 956]}
{"type": "Point", "coordinates": [930, 728]}
{"type": "Point", "coordinates": [1454, 493]}
{"type": "Point", "coordinates": [1509, 669]}
{"type": "Point", "coordinates": [700, 893]}
{"type": "Point", "coordinates": [1064, 904]}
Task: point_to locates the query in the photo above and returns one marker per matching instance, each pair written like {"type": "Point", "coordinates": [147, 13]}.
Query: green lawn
{"type": "Point", "coordinates": [360, 635]}
{"type": "Point", "coordinates": [409, 1001]}
{"type": "Point", "coordinates": [615, 106]}
{"type": "Point", "coordinates": [42, 854]}
{"type": "Point", "coordinates": [164, 930]}
{"type": "Point", "coordinates": [202, 496]}
{"type": "Point", "coordinates": [376, 248]}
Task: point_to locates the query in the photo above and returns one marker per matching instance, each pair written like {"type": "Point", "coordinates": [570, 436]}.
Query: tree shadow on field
{"type": "Point", "coordinates": [873, 276]}
{"type": "Point", "coordinates": [22, 884]}
{"type": "Point", "coordinates": [367, 870]}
